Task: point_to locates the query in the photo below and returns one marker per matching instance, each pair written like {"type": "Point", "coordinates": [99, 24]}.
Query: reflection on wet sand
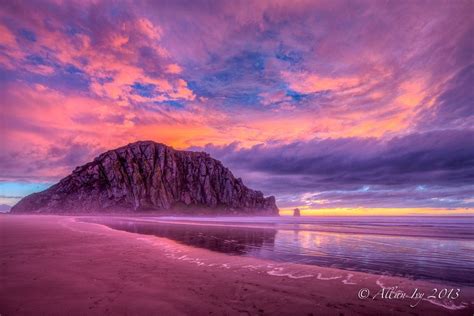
{"type": "Point", "coordinates": [230, 240]}
{"type": "Point", "coordinates": [414, 257]}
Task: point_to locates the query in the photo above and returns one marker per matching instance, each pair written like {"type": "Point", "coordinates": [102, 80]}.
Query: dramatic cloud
{"type": "Point", "coordinates": [303, 98]}
{"type": "Point", "coordinates": [422, 170]}
{"type": "Point", "coordinates": [454, 107]}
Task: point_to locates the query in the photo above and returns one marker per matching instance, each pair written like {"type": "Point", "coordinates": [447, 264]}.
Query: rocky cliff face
{"type": "Point", "coordinates": [147, 176]}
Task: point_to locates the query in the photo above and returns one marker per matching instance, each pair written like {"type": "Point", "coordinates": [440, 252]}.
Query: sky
{"type": "Point", "coordinates": [335, 107]}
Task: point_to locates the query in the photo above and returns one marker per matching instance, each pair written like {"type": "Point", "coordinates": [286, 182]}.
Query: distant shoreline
{"type": "Point", "coordinates": [160, 214]}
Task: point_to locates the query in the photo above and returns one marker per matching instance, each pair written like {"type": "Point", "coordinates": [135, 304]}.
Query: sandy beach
{"type": "Point", "coordinates": [53, 265]}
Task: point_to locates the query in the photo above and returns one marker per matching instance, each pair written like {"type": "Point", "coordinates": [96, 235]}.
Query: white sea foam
{"type": "Point", "coordinates": [348, 278]}
{"type": "Point", "coordinates": [447, 305]}
{"type": "Point", "coordinates": [252, 267]}
{"type": "Point", "coordinates": [320, 277]}
{"type": "Point", "coordinates": [279, 272]}
{"type": "Point", "coordinates": [379, 283]}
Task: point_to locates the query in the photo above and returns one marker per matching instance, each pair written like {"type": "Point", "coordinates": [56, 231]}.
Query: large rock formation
{"type": "Point", "coordinates": [147, 176]}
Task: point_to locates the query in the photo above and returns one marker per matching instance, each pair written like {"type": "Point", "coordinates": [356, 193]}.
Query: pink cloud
{"type": "Point", "coordinates": [269, 71]}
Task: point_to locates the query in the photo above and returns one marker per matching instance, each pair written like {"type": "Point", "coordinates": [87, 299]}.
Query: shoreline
{"type": "Point", "coordinates": [55, 265]}
{"type": "Point", "coordinates": [213, 215]}
{"type": "Point", "coordinates": [382, 231]}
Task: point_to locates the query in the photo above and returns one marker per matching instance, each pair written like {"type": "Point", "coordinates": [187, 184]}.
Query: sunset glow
{"type": "Point", "coordinates": [367, 111]}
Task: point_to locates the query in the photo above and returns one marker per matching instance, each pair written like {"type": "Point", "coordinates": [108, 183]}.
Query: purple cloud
{"type": "Point", "coordinates": [439, 161]}
{"type": "Point", "coordinates": [453, 108]}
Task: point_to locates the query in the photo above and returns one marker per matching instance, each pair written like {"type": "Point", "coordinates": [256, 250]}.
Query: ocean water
{"type": "Point", "coordinates": [434, 248]}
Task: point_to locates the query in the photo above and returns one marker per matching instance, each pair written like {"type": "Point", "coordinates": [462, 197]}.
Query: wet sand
{"type": "Point", "coordinates": [53, 265]}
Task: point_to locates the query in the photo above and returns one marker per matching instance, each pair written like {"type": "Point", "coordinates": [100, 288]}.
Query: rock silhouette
{"type": "Point", "coordinates": [148, 176]}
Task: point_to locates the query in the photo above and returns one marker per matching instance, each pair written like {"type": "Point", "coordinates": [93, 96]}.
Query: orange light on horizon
{"type": "Point", "coordinates": [379, 211]}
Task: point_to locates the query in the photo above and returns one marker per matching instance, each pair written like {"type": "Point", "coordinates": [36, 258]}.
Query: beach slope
{"type": "Point", "coordinates": [54, 265]}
